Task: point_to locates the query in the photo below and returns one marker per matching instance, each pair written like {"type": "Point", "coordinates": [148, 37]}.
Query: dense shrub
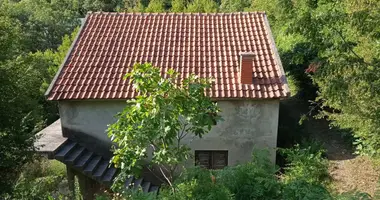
{"type": "Point", "coordinates": [301, 189]}
{"type": "Point", "coordinates": [40, 180]}
{"type": "Point", "coordinates": [354, 195]}
{"type": "Point", "coordinates": [305, 178]}
{"type": "Point", "coordinates": [198, 183]}
{"type": "Point", "coordinates": [306, 164]}
{"type": "Point", "coordinates": [253, 180]}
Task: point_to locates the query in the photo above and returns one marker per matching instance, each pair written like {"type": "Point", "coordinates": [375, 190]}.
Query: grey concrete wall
{"type": "Point", "coordinates": [247, 124]}
{"type": "Point", "coordinates": [90, 117]}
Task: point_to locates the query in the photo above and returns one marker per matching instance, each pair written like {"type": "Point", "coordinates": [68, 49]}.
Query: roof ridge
{"type": "Point", "coordinates": [176, 13]}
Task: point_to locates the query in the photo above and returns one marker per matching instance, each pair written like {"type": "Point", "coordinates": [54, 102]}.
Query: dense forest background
{"type": "Point", "coordinates": [330, 50]}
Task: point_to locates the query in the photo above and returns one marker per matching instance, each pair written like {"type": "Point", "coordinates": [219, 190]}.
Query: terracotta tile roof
{"type": "Point", "coordinates": [204, 44]}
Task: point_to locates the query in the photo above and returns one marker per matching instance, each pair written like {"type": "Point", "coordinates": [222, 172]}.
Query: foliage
{"type": "Point", "coordinates": [234, 5]}
{"type": "Point", "coordinates": [254, 180]}
{"type": "Point", "coordinates": [158, 119]}
{"type": "Point", "coordinates": [100, 5]}
{"type": "Point", "coordinates": [136, 195]}
{"type": "Point", "coordinates": [42, 23]}
{"type": "Point", "coordinates": [23, 108]}
{"type": "Point", "coordinates": [10, 37]}
{"type": "Point", "coordinates": [197, 183]}
{"type": "Point", "coordinates": [353, 195]}
{"type": "Point", "coordinates": [301, 189]}
{"type": "Point", "coordinates": [306, 164]}
{"type": "Point", "coordinates": [348, 80]}
{"type": "Point", "coordinates": [178, 5]}
{"type": "Point", "coordinates": [202, 6]}
{"type": "Point", "coordinates": [39, 180]}
{"type": "Point", "coordinates": [20, 115]}
{"type": "Point", "coordinates": [156, 6]}
{"type": "Point", "coordinates": [337, 42]}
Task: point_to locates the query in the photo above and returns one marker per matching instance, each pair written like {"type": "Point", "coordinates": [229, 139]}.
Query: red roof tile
{"type": "Point", "coordinates": [204, 44]}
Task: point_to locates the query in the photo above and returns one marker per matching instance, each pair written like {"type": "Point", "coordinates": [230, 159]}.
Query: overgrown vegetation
{"type": "Point", "coordinates": [40, 179]}
{"type": "Point", "coordinates": [337, 43]}
{"type": "Point", "coordinates": [34, 38]}
{"type": "Point", "coordinates": [257, 179]}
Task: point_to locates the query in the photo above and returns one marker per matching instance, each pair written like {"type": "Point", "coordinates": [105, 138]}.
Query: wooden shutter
{"type": "Point", "coordinates": [211, 159]}
{"type": "Point", "coordinates": [203, 159]}
{"type": "Point", "coordinates": [219, 159]}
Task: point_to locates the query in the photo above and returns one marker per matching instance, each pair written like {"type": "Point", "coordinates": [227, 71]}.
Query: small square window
{"type": "Point", "coordinates": [211, 159]}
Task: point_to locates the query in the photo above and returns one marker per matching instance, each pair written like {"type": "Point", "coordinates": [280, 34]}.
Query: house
{"type": "Point", "coordinates": [236, 49]}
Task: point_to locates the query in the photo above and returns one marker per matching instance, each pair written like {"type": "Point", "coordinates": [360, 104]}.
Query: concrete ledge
{"type": "Point", "coordinates": [50, 138]}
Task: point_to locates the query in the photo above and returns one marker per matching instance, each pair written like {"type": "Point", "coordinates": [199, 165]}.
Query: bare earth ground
{"type": "Point", "coordinates": [348, 171]}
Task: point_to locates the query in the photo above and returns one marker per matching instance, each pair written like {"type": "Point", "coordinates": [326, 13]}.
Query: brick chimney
{"type": "Point", "coordinates": [246, 68]}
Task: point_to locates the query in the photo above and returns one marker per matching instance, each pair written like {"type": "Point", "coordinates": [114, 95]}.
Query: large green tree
{"type": "Point", "coordinates": [42, 23]}
{"type": "Point", "coordinates": [202, 6]}
{"type": "Point", "coordinates": [156, 6]}
{"type": "Point", "coordinates": [151, 127]}
{"type": "Point", "coordinates": [338, 44]}
{"type": "Point", "coordinates": [234, 5]}
{"type": "Point", "coordinates": [23, 108]}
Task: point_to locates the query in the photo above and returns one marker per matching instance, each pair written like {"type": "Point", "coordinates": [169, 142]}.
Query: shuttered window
{"type": "Point", "coordinates": [211, 159]}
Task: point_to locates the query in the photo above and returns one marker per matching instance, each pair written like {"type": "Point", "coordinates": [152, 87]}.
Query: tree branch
{"type": "Point", "coordinates": [155, 174]}
{"type": "Point", "coordinates": [167, 179]}
{"type": "Point", "coordinates": [352, 51]}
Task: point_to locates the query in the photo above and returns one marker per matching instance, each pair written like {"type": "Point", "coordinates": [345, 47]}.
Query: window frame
{"type": "Point", "coordinates": [211, 157]}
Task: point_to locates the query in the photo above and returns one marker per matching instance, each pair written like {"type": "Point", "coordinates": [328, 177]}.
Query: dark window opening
{"type": "Point", "coordinates": [211, 159]}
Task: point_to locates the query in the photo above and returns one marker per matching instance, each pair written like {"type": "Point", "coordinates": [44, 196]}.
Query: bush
{"type": "Point", "coordinates": [306, 164]}
{"type": "Point", "coordinates": [199, 184]}
{"type": "Point", "coordinates": [301, 189]}
{"type": "Point", "coordinates": [354, 195]}
{"type": "Point", "coordinates": [39, 180]}
{"type": "Point", "coordinates": [254, 180]}
{"type": "Point", "coordinates": [305, 178]}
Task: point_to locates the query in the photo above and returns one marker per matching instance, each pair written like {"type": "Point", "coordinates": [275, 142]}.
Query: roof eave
{"type": "Point", "coordinates": [48, 91]}
{"type": "Point", "coordinates": [277, 57]}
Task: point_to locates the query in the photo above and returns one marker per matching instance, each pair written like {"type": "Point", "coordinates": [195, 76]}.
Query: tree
{"type": "Point", "coordinates": [9, 37]}
{"type": "Point", "coordinates": [234, 5]}
{"type": "Point", "coordinates": [158, 119]}
{"type": "Point", "coordinates": [102, 5]}
{"type": "Point", "coordinates": [42, 23]}
{"type": "Point", "coordinates": [202, 6]}
{"type": "Point", "coordinates": [178, 5]}
{"type": "Point", "coordinates": [20, 114]}
{"type": "Point", "coordinates": [341, 41]}
{"type": "Point", "coordinates": [135, 5]}
{"type": "Point", "coordinates": [156, 6]}
{"type": "Point", "coordinates": [24, 109]}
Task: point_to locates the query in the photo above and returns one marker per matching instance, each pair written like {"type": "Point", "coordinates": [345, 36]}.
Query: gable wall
{"type": "Point", "coordinates": [246, 124]}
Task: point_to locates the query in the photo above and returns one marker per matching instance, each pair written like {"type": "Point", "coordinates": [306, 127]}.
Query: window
{"type": "Point", "coordinates": [211, 159]}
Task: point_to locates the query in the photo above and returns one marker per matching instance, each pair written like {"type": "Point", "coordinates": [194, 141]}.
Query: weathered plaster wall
{"type": "Point", "coordinates": [247, 124]}
{"type": "Point", "coordinates": [90, 117]}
